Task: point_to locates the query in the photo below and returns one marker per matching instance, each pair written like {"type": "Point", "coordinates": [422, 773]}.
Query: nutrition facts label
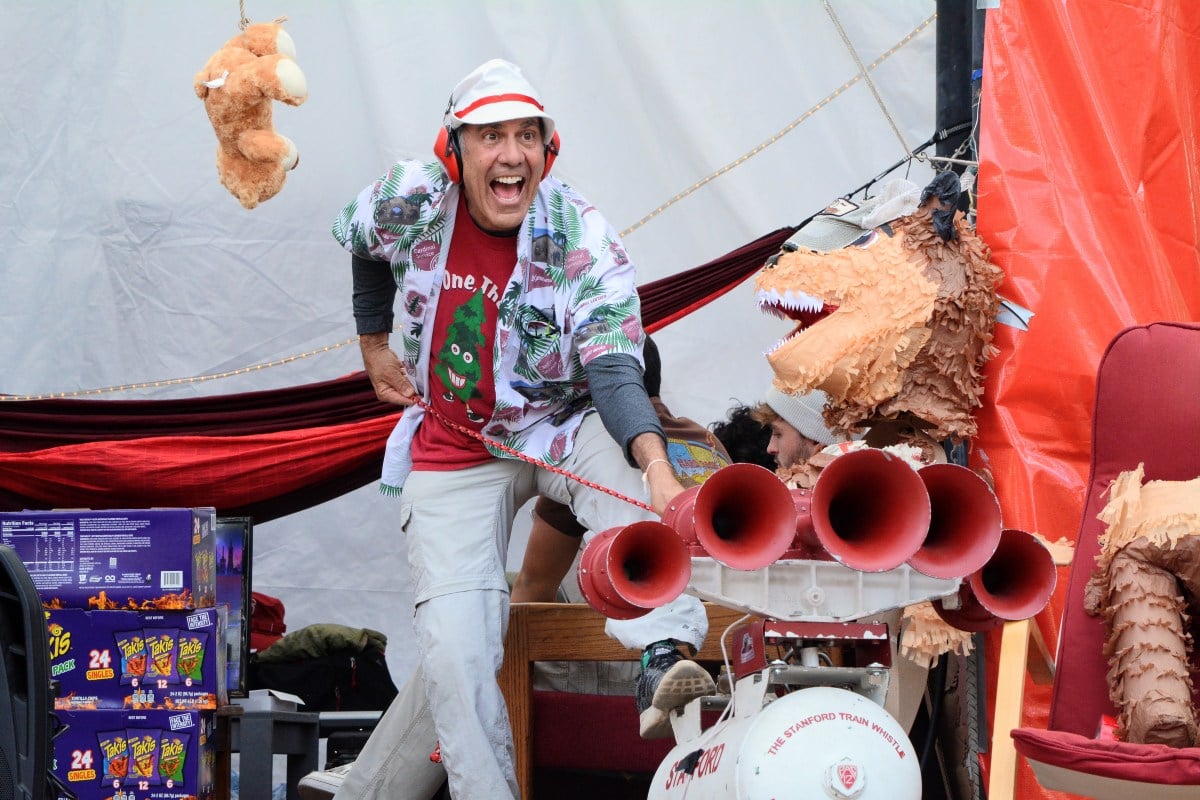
{"type": "Point", "coordinates": [45, 545]}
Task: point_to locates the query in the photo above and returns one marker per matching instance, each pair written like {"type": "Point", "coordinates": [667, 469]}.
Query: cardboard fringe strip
{"type": "Point", "coordinates": [926, 636]}
{"type": "Point", "coordinates": [1147, 576]}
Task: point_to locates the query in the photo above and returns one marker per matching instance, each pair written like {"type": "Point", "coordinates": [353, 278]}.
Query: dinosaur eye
{"type": "Point", "coordinates": [455, 349]}
{"type": "Point", "coordinates": [468, 357]}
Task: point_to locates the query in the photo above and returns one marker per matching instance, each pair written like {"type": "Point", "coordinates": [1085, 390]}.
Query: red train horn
{"type": "Point", "coordinates": [805, 545]}
{"type": "Point", "coordinates": [870, 510]}
{"type": "Point", "coordinates": [964, 527]}
{"type": "Point", "coordinates": [1015, 583]}
{"type": "Point", "coordinates": [626, 572]}
{"type": "Point", "coordinates": [742, 516]}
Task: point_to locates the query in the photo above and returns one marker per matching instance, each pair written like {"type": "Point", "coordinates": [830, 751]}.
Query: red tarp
{"type": "Point", "coordinates": [1089, 196]}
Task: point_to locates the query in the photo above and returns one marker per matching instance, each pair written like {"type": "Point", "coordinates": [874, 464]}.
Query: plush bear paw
{"type": "Point", "coordinates": [291, 156]}
{"type": "Point", "coordinates": [292, 81]}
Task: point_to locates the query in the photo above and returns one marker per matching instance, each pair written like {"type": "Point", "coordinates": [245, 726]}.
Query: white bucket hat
{"type": "Point", "coordinates": [495, 91]}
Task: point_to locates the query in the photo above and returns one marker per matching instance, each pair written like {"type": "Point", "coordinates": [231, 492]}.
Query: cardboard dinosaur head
{"type": "Point", "coordinates": [238, 85]}
{"type": "Point", "coordinates": [897, 324]}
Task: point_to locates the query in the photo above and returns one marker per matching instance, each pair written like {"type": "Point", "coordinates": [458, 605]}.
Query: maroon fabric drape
{"type": "Point", "coordinates": [39, 424]}
{"type": "Point", "coordinates": [262, 454]}
{"type": "Point", "coordinates": [668, 299]}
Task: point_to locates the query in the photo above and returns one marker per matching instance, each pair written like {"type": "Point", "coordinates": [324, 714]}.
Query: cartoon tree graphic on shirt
{"type": "Point", "coordinates": [458, 360]}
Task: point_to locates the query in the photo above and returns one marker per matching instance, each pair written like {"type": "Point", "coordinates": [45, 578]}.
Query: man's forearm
{"type": "Point", "coordinates": [647, 448]}
{"type": "Point", "coordinates": [369, 343]}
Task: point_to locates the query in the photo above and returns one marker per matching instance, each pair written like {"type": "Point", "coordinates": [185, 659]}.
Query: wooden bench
{"type": "Point", "coordinates": [575, 632]}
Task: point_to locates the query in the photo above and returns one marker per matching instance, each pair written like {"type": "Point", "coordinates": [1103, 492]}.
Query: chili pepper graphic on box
{"type": "Point", "coordinates": [136, 755]}
{"type": "Point", "coordinates": [138, 659]}
{"type": "Point", "coordinates": [157, 558]}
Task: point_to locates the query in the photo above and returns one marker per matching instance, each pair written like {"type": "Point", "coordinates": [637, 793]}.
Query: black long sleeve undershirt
{"type": "Point", "coordinates": [374, 294]}
{"type": "Point", "coordinates": [619, 394]}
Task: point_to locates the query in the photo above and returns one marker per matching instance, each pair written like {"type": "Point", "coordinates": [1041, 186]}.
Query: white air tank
{"type": "Point", "coordinates": [810, 744]}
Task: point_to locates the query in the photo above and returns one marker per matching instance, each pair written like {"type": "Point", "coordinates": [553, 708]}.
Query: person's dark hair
{"type": "Point", "coordinates": [653, 375]}
{"type": "Point", "coordinates": [744, 437]}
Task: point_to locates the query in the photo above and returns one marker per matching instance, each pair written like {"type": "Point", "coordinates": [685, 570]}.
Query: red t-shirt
{"type": "Point", "coordinates": [461, 382]}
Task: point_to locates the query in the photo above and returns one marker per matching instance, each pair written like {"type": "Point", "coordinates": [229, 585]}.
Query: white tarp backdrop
{"type": "Point", "coordinates": [124, 261]}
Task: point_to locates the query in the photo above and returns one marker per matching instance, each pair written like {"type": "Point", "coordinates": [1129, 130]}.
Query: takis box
{"type": "Point", "coordinates": [136, 755]}
{"type": "Point", "coordinates": [137, 558]}
{"type": "Point", "coordinates": [138, 659]}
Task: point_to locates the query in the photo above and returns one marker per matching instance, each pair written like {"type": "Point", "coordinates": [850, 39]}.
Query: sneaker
{"type": "Point", "coordinates": [668, 681]}
{"type": "Point", "coordinates": [323, 785]}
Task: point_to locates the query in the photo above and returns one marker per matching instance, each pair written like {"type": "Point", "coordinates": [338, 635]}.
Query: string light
{"type": "Point", "coordinates": [180, 381]}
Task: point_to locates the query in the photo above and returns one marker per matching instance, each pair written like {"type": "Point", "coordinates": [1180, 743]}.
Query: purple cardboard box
{"type": "Point", "coordinates": [137, 558]}
{"type": "Point", "coordinates": [138, 659]}
{"type": "Point", "coordinates": [136, 755]}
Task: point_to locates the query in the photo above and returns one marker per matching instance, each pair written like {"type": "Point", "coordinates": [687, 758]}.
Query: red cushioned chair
{"type": "Point", "coordinates": [1147, 410]}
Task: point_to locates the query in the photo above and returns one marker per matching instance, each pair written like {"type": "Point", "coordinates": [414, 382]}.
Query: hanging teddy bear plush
{"type": "Point", "coordinates": [237, 86]}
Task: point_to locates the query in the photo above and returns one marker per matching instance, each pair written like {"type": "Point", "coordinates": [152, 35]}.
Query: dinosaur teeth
{"type": "Point", "coordinates": [792, 306]}
{"type": "Point", "coordinates": [774, 311]}
{"type": "Point", "coordinates": [771, 299]}
{"type": "Point", "coordinates": [775, 346]}
{"type": "Point", "coordinates": [800, 301]}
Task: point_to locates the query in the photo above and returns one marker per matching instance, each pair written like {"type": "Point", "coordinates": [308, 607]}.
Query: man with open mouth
{"type": "Point", "coordinates": [518, 317]}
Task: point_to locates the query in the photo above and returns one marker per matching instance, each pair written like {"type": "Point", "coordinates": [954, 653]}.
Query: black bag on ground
{"type": "Point", "coordinates": [326, 668]}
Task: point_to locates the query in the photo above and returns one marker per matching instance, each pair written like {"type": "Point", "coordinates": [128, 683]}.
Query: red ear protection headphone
{"type": "Point", "coordinates": [445, 147]}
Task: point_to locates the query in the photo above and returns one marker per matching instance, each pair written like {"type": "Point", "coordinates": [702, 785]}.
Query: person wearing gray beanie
{"type": "Point", "coordinates": [797, 424]}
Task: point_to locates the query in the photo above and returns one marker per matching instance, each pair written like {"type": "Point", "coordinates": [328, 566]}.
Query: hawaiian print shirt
{"type": "Point", "coordinates": [572, 297]}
